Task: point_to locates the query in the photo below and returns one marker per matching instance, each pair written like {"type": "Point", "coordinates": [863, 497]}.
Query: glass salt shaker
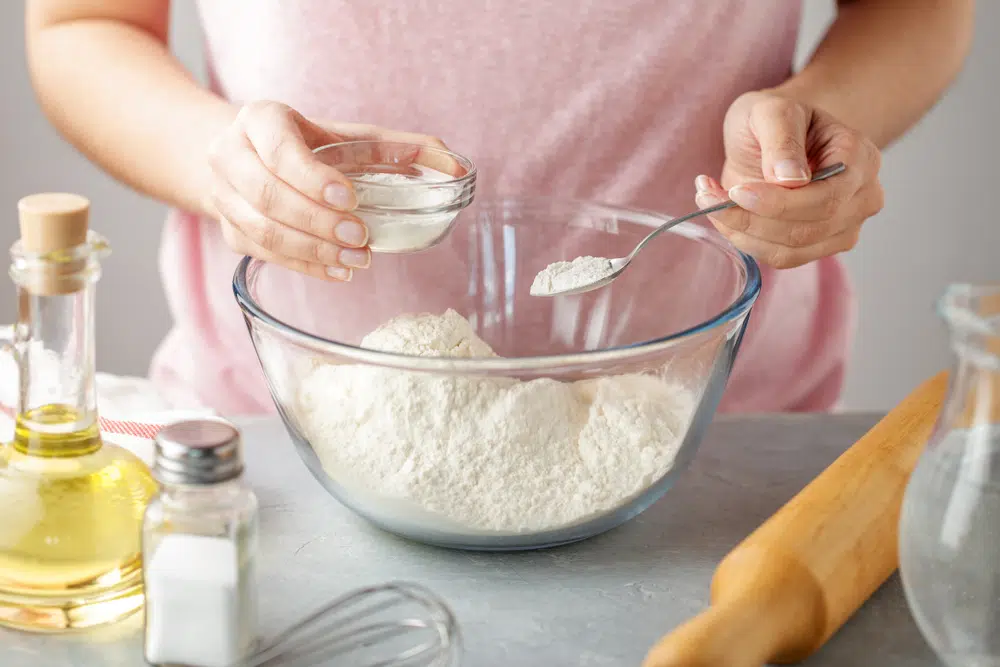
{"type": "Point", "coordinates": [950, 524]}
{"type": "Point", "coordinates": [199, 549]}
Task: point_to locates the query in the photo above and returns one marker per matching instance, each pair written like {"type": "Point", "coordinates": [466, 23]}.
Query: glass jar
{"type": "Point", "coordinates": [409, 195]}
{"type": "Point", "coordinates": [199, 549]}
{"type": "Point", "coordinates": [950, 523]}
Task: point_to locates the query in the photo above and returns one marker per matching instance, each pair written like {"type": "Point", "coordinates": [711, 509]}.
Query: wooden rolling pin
{"type": "Point", "coordinates": [781, 593]}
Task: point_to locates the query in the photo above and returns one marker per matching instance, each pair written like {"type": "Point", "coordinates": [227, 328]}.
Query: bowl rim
{"type": "Point", "coordinates": [470, 174]}
{"type": "Point", "coordinates": [737, 309]}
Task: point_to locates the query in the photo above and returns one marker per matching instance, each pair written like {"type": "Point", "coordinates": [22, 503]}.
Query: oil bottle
{"type": "Point", "coordinates": [72, 506]}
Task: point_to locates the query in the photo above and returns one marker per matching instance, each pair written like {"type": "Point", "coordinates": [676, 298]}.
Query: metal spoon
{"type": "Point", "coordinates": [619, 264]}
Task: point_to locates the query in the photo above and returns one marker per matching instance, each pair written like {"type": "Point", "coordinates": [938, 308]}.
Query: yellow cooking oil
{"type": "Point", "coordinates": [70, 553]}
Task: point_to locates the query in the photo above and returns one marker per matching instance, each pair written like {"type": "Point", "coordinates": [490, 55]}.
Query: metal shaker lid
{"type": "Point", "coordinates": [200, 451]}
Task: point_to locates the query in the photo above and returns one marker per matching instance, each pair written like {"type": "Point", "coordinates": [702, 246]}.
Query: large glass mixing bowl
{"type": "Point", "coordinates": [677, 314]}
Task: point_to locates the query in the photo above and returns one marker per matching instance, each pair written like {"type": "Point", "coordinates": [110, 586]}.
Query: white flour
{"type": "Point", "coordinates": [497, 455]}
{"type": "Point", "coordinates": [562, 276]}
{"type": "Point", "coordinates": [392, 231]}
{"type": "Point", "coordinates": [448, 335]}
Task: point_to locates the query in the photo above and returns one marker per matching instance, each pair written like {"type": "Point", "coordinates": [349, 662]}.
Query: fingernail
{"type": "Point", "coordinates": [702, 184]}
{"type": "Point", "coordinates": [339, 196]}
{"type": "Point", "coordinates": [706, 199]}
{"type": "Point", "coordinates": [340, 273]}
{"type": "Point", "coordinates": [351, 233]}
{"type": "Point", "coordinates": [744, 197]}
{"type": "Point", "coordinates": [790, 170]}
{"type": "Point", "coordinates": [357, 258]}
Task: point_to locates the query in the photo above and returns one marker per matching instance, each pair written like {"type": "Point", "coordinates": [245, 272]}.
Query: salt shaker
{"type": "Point", "coordinates": [199, 549]}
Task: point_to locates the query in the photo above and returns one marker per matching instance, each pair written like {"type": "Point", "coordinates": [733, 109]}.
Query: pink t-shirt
{"type": "Point", "coordinates": [619, 101]}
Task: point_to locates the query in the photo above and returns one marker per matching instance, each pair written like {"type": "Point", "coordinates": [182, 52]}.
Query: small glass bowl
{"type": "Point", "coordinates": [410, 216]}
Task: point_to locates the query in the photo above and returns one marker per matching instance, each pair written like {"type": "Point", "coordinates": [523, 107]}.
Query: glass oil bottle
{"type": "Point", "coordinates": [72, 506]}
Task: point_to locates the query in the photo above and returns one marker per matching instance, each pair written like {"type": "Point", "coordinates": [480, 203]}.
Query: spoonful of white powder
{"type": "Point", "coordinates": [568, 277]}
{"type": "Point", "coordinates": [584, 274]}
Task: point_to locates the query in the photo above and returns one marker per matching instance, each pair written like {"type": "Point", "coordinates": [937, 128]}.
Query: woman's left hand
{"type": "Point", "coordinates": [773, 144]}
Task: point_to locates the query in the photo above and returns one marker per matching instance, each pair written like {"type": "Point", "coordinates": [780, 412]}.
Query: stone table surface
{"type": "Point", "coordinates": [601, 602]}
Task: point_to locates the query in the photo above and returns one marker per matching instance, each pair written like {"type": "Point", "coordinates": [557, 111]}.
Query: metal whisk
{"type": "Point", "coordinates": [397, 624]}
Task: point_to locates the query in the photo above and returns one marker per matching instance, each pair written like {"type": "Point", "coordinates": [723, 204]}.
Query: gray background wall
{"type": "Point", "coordinates": [938, 226]}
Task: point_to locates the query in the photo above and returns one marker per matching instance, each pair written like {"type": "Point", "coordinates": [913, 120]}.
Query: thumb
{"type": "Point", "coordinates": [316, 134]}
{"type": "Point", "coordinates": [780, 126]}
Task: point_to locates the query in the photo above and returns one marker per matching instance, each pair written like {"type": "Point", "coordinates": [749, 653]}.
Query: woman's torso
{"type": "Point", "coordinates": [619, 101]}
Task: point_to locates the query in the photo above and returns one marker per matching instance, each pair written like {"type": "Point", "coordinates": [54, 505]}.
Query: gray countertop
{"type": "Point", "coordinates": [600, 602]}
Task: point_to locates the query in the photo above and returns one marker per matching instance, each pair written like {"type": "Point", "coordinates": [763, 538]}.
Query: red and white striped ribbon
{"type": "Point", "coordinates": [113, 426]}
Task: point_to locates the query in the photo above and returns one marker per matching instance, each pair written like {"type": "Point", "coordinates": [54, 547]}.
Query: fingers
{"type": "Point", "coordinates": [785, 257]}
{"type": "Point", "coordinates": [242, 244]}
{"type": "Point", "coordinates": [780, 127]}
{"type": "Point", "coordinates": [782, 218]}
{"type": "Point", "coordinates": [434, 159]}
{"type": "Point", "coordinates": [273, 199]}
{"type": "Point", "coordinates": [278, 200]}
{"type": "Point", "coordinates": [813, 203]}
{"type": "Point", "coordinates": [433, 154]}
{"type": "Point", "coordinates": [787, 244]}
{"type": "Point", "coordinates": [800, 233]}
{"type": "Point", "coordinates": [283, 241]}
{"type": "Point", "coordinates": [276, 133]}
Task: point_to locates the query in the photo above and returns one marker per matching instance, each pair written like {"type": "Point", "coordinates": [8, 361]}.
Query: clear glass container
{"type": "Point", "coordinates": [227, 510]}
{"type": "Point", "coordinates": [199, 543]}
{"type": "Point", "coordinates": [70, 531]}
{"type": "Point", "coordinates": [950, 524]}
{"type": "Point", "coordinates": [676, 317]}
{"type": "Point", "coordinates": [409, 195]}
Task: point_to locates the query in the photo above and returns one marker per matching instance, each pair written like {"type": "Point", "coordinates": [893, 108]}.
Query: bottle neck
{"type": "Point", "coordinates": [974, 396]}
{"type": "Point", "coordinates": [973, 317]}
{"type": "Point", "coordinates": [57, 411]}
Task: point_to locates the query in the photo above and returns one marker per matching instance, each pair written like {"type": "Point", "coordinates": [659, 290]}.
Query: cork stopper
{"type": "Point", "coordinates": [50, 222]}
{"type": "Point", "coordinates": [53, 221]}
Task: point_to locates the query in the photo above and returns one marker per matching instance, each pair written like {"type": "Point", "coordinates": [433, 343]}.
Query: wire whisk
{"type": "Point", "coordinates": [398, 624]}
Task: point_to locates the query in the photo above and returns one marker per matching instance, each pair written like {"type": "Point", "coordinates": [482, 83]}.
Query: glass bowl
{"type": "Point", "coordinates": [409, 195]}
{"type": "Point", "coordinates": [675, 319]}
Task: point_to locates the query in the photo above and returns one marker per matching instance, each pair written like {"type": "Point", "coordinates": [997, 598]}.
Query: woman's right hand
{"type": "Point", "coordinates": [277, 202]}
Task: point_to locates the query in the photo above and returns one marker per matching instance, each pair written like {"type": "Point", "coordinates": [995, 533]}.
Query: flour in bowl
{"type": "Point", "coordinates": [562, 276]}
{"type": "Point", "coordinates": [448, 335]}
{"type": "Point", "coordinates": [489, 454]}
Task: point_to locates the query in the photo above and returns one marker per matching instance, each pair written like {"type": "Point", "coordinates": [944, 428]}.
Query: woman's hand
{"type": "Point", "coordinates": [773, 144]}
{"type": "Point", "coordinates": [277, 202]}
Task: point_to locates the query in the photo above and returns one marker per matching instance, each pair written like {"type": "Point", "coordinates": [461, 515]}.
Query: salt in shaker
{"type": "Point", "coordinates": [199, 549]}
